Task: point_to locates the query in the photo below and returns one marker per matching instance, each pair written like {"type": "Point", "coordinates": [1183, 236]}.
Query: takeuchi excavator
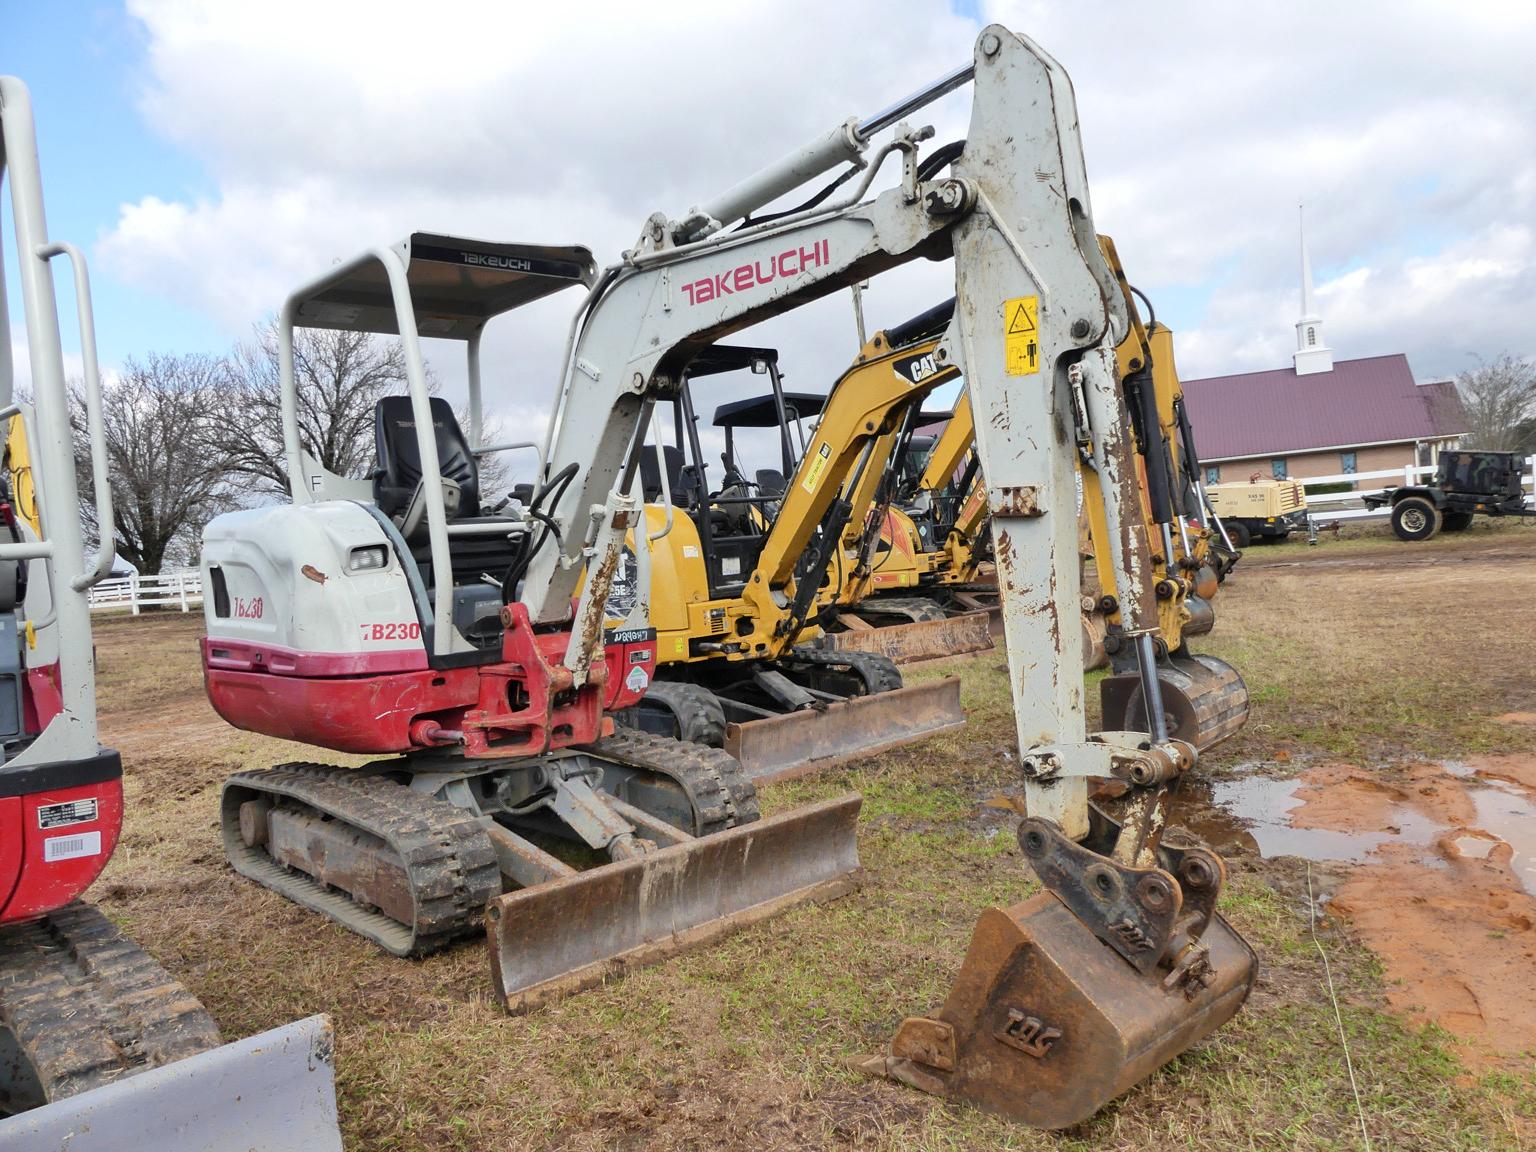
{"type": "Point", "coordinates": [408, 618]}
{"type": "Point", "coordinates": [100, 1047]}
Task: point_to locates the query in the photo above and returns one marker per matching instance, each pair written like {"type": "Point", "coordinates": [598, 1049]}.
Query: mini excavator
{"type": "Point", "coordinates": [463, 640]}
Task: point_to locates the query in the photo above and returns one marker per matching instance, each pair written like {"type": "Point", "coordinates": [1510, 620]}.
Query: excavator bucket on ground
{"type": "Point", "coordinates": [799, 743]}
{"type": "Point", "coordinates": [1046, 1025]}
{"type": "Point", "coordinates": [1204, 698]}
{"type": "Point", "coordinates": [579, 930]}
{"type": "Point", "coordinates": [919, 640]}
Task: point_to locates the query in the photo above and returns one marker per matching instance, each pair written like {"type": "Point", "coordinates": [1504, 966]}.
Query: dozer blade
{"type": "Point", "coordinates": [921, 640]}
{"type": "Point", "coordinates": [1205, 699]}
{"type": "Point", "coordinates": [565, 935]}
{"type": "Point", "coordinates": [799, 743]}
{"type": "Point", "coordinates": [271, 1093]}
{"type": "Point", "coordinates": [1045, 1024]}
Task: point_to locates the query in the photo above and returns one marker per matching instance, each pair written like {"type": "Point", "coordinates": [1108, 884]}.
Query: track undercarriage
{"type": "Point", "coordinates": [410, 852]}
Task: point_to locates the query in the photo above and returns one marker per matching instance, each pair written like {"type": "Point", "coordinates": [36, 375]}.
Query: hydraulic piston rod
{"type": "Point", "coordinates": [844, 144]}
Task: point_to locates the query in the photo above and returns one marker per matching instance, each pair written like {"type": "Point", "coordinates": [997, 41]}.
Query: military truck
{"type": "Point", "coordinates": [1465, 484]}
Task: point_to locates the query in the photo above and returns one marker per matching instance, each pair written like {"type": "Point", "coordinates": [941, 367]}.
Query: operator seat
{"type": "Point", "coordinates": [396, 481]}
{"type": "Point", "coordinates": [399, 459]}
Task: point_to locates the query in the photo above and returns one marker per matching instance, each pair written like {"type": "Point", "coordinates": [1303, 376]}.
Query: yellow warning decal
{"type": "Point", "coordinates": [1021, 335]}
{"type": "Point", "coordinates": [817, 466]}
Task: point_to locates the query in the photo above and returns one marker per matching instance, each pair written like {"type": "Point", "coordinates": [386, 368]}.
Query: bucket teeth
{"type": "Point", "coordinates": [1045, 1025]}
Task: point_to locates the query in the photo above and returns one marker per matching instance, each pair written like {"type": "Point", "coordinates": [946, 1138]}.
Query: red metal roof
{"type": "Point", "coordinates": [1368, 401]}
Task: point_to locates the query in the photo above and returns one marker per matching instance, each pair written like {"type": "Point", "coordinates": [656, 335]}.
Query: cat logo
{"type": "Point", "coordinates": [916, 369]}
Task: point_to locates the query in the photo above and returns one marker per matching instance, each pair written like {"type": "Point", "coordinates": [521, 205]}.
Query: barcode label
{"type": "Point", "coordinates": [67, 813]}
{"type": "Point", "coordinates": [57, 848]}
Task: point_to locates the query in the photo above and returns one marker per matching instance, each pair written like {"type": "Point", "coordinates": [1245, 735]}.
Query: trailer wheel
{"type": "Point", "coordinates": [1415, 518]}
{"type": "Point", "coordinates": [1238, 533]}
{"type": "Point", "coordinates": [1455, 521]}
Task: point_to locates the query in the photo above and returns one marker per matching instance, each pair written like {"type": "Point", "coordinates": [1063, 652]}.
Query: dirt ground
{"type": "Point", "coordinates": [1392, 691]}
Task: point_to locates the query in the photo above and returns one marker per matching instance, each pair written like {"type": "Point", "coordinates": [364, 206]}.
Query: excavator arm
{"type": "Point", "coordinates": [1130, 958]}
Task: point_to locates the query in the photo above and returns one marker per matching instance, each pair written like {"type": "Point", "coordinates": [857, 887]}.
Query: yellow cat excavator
{"type": "Point", "coordinates": [740, 579]}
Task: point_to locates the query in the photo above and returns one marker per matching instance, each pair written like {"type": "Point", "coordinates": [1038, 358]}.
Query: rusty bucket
{"type": "Point", "coordinates": [1046, 1024]}
{"type": "Point", "coordinates": [799, 743]}
{"type": "Point", "coordinates": [1205, 699]}
{"type": "Point", "coordinates": [564, 935]}
{"type": "Point", "coordinates": [920, 640]}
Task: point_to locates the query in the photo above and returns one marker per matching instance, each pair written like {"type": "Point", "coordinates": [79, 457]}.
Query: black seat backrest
{"type": "Point", "coordinates": [650, 474]}
{"type": "Point", "coordinates": [770, 482]}
{"type": "Point", "coordinates": [399, 461]}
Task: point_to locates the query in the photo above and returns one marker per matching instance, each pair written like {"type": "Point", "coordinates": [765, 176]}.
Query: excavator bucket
{"type": "Point", "coordinates": [270, 1093]}
{"type": "Point", "coordinates": [564, 935]}
{"type": "Point", "coordinates": [920, 640]}
{"type": "Point", "coordinates": [799, 743]}
{"type": "Point", "coordinates": [1205, 700]}
{"type": "Point", "coordinates": [1046, 1024]}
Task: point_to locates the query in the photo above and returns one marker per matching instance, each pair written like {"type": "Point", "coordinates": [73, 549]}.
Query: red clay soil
{"type": "Point", "coordinates": [1450, 919]}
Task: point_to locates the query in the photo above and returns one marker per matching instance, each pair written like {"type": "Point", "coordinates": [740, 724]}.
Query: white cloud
{"type": "Point", "coordinates": [325, 128]}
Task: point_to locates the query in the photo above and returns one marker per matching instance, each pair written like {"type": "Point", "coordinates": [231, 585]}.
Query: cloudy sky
{"type": "Point", "coordinates": [210, 156]}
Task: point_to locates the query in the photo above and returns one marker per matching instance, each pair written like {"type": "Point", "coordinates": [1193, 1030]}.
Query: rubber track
{"type": "Point", "coordinates": [447, 855]}
{"type": "Point", "coordinates": [694, 708]}
{"type": "Point", "coordinates": [88, 1006]}
{"type": "Point", "coordinates": [878, 672]}
{"type": "Point", "coordinates": [718, 791]}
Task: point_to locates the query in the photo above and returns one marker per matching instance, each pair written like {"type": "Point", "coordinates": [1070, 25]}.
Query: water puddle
{"type": "Point", "coordinates": [1350, 815]}
{"type": "Point", "coordinates": [1506, 811]}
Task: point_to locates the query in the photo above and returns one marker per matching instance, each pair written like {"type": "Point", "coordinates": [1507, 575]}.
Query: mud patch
{"type": "Point", "coordinates": [1443, 882]}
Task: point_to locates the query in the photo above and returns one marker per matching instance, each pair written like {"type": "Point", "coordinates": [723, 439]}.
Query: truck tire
{"type": "Point", "coordinates": [1455, 521]}
{"type": "Point", "coordinates": [1415, 518]}
{"type": "Point", "coordinates": [1238, 533]}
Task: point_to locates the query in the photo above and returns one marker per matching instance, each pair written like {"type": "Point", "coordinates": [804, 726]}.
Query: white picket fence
{"type": "Point", "coordinates": [169, 589]}
{"type": "Point", "coordinates": [1329, 507]}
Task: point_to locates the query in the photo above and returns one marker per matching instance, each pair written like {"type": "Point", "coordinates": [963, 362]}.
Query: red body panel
{"type": "Point", "coordinates": [44, 885]}
{"type": "Point", "coordinates": [10, 847]}
{"type": "Point", "coordinates": [379, 703]}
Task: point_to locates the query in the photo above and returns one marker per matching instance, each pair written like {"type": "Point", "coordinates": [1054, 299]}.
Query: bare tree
{"type": "Point", "coordinates": [340, 378]}
{"type": "Point", "coordinates": [1499, 398]}
{"type": "Point", "coordinates": [165, 486]}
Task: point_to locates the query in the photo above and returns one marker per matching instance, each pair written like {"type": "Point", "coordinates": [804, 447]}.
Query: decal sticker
{"type": "Point", "coordinates": [817, 466]}
{"type": "Point", "coordinates": [628, 635]}
{"type": "Point", "coordinates": [252, 609]}
{"type": "Point", "coordinates": [788, 263]}
{"type": "Point", "coordinates": [690, 552]}
{"type": "Point", "coordinates": [1021, 335]}
{"type": "Point", "coordinates": [67, 813]}
{"type": "Point", "coordinates": [637, 680]}
{"type": "Point", "coordinates": [401, 630]}
{"type": "Point", "coordinates": [56, 848]}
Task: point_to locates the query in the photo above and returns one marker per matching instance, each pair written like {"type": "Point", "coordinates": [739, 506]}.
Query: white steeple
{"type": "Point", "coordinates": [1312, 351]}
